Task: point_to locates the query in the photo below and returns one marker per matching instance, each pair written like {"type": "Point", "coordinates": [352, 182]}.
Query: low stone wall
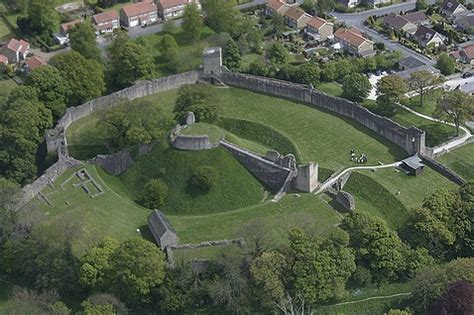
{"type": "Point", "coordinates": [411, 140]}
{"type": "Point", "coordinates": [346, 200]}
{"type": "Point", "coordinates": [119, 162]}
{"type": "Point", "coordinates": [193, 143]}
{"type": "Point", "coordinates": [443, 170]}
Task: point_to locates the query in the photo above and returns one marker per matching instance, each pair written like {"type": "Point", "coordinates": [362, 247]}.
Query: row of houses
{"type": "Point", "coordinates": [16, 51]}
{"type": "Point", "coordinates": [319, 29]}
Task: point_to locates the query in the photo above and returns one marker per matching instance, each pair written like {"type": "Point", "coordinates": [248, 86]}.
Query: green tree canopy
{"type": "Point", "coordinates": [390, 90]}
{"type": "Point", "coordinates": [85, 77]}
{"type": "Point", "coordinates": [192, 22]}
{"type": "Point", "coordinates": [52, 89]}
{"type": "Point", "coordinates": [422, 81]}
{"type": "Point", "coordinates": [156, 194]}
{"type": "Point", "coordinates": [446, 64]}
{"type": "Point", "coordinates": [356, 87]}
{"type": "Point", "coordinates": [82, 39]}
{"type": "Point", "coordinates": [231, 58]}
{"type": "Point", "coordinates": [222, 15]}
{"type": "Point", "coordinates": [135, 122]}
{"type": "Point", "coordinates": [278, 54]}
{"type": "Point", "coordinates": [44, 19]}
{"type": "Point", "coordinates": [129, 62]}
{"type": "Point", "coordinates": [197, 99]}
{"type": "Point", "coordinates": [421, 5]}
{"type": "Point", "coordinates": [456, 106]}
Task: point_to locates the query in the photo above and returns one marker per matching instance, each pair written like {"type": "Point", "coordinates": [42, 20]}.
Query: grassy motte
{"type": "Point", "coordinates": [234, 186]}
{"type": "Point", "coordinates": [461, 160]}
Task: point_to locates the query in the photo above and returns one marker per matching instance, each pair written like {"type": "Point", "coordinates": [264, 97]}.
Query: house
{"type": "Point", "coordinates": [354, 42]}
{"type": "Point", "coordinates": [33, 63]}
{"type": "Point", "coordinates": [349, 3]}
{"type": "Point", "coordinates": [4, 59]}
{"type": "Point", "coordinates": [15, 50]}
{"type": "Point", "coordinates": [296, 18]}
{"type": "Point", "coordinates": [451, 8]}
{"type": "Point", "coordinates": [162, 231]}
{"type": "Point", "coordinates": [169, 9]}
{"type": "Point", "coordinates": [140, 13]}
{"type": "Point", "coordinates": [465, 22]}
{"type": "Point", "coordinates": [319, 28]}
{"type": "Point", "coordinates": [275, 6]}
{"type": "Point", "coordinates": [105, 22]}
{"type": "Point", "coordinates": [412, 166]}
{"type": "Point", "coordinates": [466, 54]}
{"type": "Point", "coordinates": [376, 2]}
{"type": "Point", "coordinates": [428, 37]}
{"type": "Point", "coordinates": [400, 24]}
{"type": "Point", "coordinates": [65, 27]}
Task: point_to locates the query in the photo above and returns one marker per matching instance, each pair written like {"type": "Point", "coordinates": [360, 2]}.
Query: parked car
{"type": "Point", "coordinates": [467, 75]}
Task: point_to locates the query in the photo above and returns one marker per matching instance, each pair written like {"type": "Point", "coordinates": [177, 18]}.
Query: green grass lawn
{"type": "Point", "coordinates": [461, 160]}
{"type": "Point", "coordinates": [330, 88]}
{"type": "Point", "coordinates": [233, 187]}
{"type": "Point", "coordinates": [200, 129]}
{"type": "Point", "coordinates": [5, 32]}
{"type": "Point", "coordinates": [430, 102]}
{"type": "Point", "coordinates": [376, 192]}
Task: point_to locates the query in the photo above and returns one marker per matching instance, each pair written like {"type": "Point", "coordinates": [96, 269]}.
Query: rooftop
{"type": "Point", "coordinates": [469, 51]}
{"type": "Point", "coordinates": [353, 36]}
{"type": "Point", "coordinates": [105, 17]}
{"type": "Point", "coordinates": [316, 22]}
{"type": "Point", "coordinates": [17, 45]}
{"type": "Point", "coordinates": [413, 162]}
{"type": "Point", "coordinates": [411, 62]}
{"type": "Point", "coordinates": [167, 4]}
{"type": "Point", "coordinates": [139, 8]}
{"type": "Point", "coordinates": [35, 62]}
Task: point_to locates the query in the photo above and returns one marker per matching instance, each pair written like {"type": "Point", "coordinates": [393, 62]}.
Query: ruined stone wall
{"type": "Point", "coordinates": [307, 177]}
{"type": "Point", "coordinates": [269, 173]}
{"type": "Point", "coordinates": [193, 143]}
{"type": "Point", "coordinates": [119, 162]}
{"type": "Point", "coordinates": [346, 200]}
{"type": "Point", "coordinates": [443, 170]}
{"type": "Point", "coordinates": [411, 140]}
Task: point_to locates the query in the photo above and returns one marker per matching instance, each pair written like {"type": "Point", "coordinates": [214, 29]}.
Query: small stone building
{"type": "Point", "coordinates": [412, 166]}
{"type": "Point", "coordinates": [162, 230]}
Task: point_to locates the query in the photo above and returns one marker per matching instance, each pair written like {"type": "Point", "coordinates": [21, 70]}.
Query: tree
{"type": "Point", "coordinates": [324, 6]}
{"type": "Point", "coordinates": [23, 121]}
{"type": "Point", "coordinates": [85, 77]}
{"type": "Point", "coordinates": [192, 22]}
{"type": "Point", "coordinates": [25, 301]}
{"type": "Point", "coordinates": [52, 89]}
{"type": "Point", "coordinates": [231, 58]}
{"type": "Point", "coordinates": [197, 99]}
{"type": "Point", "coordinates": [356, 87]}
{"type": "Point", "coordinates": [377, 248]}
{"type": "Point", "coordinates": [446, 64]}
{"type": "Point", "coordinates": [222, 15]}
{"type": "Point", "coordinates": [170, 27]}
{"type": "Point", "coordinates": [137, 268]}
{"type": "Point", "coordinates": [129, 62]}
{"type": "Point", "coordinates": [431, 282]}
{"type": "Point", "coordinates": [258, 67]}
{"type": "Point", "coordinates": [421, 5]}
{"type": "Point", "coordinates": [308, 6]}
{"type": "Point", "coordinates": [82, 39]}
{"type": "Point", "coordinates": [456, 300]}
{"type": "Point", "coordinates": [278, 23]}
{"type": "Point", "coordinates": [169, 51]}
{"type": "Point", "coordinates": [278, 54]}
{"type": "Point", "coordinates": [156, 194]}
{"type": "Point", "coordinates": [307, 73]}
{"type": "Point", "coordinates": [422, 81]}
{"type": "Point", "coordinates": [329, 72]}
{"type": "Point", "coordinates": [44, 19]}
{"type": "Point", "coordinates": [203, 178]}
{"type": "Point", "coordinates": [456, 107]}
{"type": "Point", "coordinates": [135, 122]}
{"type": "Point", "coordinates": [390, 90]}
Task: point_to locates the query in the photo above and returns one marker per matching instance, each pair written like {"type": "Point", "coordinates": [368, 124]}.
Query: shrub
{"type": "Point", "coordinates": [362, 276]}
{"type": "Point", "coordinates": [203, 178]}
{"type": "Point", "coordinates": [156, 193]}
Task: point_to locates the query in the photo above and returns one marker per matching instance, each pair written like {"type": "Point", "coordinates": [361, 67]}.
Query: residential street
{"type": "Point", "coordinates": [357, 20]}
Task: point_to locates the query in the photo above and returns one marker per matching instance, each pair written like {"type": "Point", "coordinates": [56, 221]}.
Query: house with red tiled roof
{"type": "Point", "coordinates": [140, 13]}
{"type": "Point", "coordinates": [65, 27]}
{"type": "Point", "coordinates": [105, 22]}
{"type": "Point", "coordinates": [296, 18]}
{"type": "Point", "coordinates": [169, 9]}
{"type": "Point", "coordinates": [33, 63]}
{"type": "Point", "coordinates": [319, 28]}
{"type": "Point", "coordinates": [276, 6]}
{"type": "Point", "coordinates": [4, 59]}
{"type": "Point", "coordinates": [354, 42]}
{"type": "Point", "coordinates": [466, 54]}
{"type": "Point", "coordinates": [15, 50]}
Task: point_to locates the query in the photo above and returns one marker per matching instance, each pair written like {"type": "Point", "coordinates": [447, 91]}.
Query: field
{"type": "Point", "coordinates": [461, 161]}
{"type": "Point", "coordinates": [5, 32]}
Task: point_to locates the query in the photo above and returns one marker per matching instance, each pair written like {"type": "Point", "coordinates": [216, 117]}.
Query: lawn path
{"type": "Point", "coordinates": [373, 298]}
{"type": "Point", "coordinates": [447, 146]}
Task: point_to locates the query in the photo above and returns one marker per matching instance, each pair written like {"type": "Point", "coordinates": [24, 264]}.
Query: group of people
{"type": "Point", "coordinates": [358, 159]}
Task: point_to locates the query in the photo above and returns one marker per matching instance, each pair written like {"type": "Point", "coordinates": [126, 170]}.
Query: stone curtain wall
{"type": "Point", "coordinates": [346, 200]}
{"type": "Point", "coordinates": [444, 170]}
{"type": "Point", "coordinates": [411, 140]}
{"type": "Point", "coordinates": [55, 136]}
{"type": "Point", "coordinates": [193, 143]}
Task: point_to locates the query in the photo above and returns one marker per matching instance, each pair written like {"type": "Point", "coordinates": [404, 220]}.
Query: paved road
{"type": "Point", "coordinates": [357, 20]}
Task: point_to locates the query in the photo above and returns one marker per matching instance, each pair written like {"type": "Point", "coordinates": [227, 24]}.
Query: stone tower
{"type": "Point", "coordinates": [212, 59]}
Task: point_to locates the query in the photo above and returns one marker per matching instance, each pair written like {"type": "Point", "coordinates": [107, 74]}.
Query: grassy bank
{"type": "Point", "coordinates": [461, 161]}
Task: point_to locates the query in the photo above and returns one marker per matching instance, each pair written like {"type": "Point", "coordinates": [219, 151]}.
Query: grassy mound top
{"type": "Point", "coordinates": [461, 161]}
{"type": "Point", "coordinates": [233, 188]}
{"type": "Point", "coordinates": [200, 129]}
